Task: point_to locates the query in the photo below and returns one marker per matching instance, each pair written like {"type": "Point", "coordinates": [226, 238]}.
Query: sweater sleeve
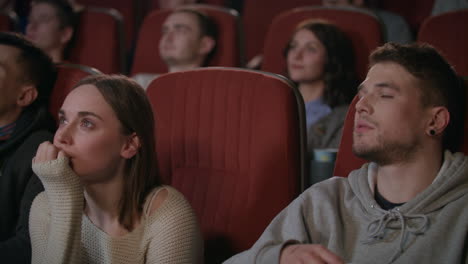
{"type": "Point", "coordinates": [55, 219]}
{"type": "Point", "coordinates": [288, 227]}
{"type": "Point", "coordinates": [175, 233]}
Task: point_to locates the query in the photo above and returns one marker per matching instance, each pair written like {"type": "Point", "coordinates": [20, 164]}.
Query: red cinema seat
{"type": "Point", "coordinates": [363, 28]}
{"type": "Point", "coordinates": [257, 17]}
{"type": "Point", "coordinates": [128, 9]}
{"type": "Point", "coordinates": [449, 34]}
{"type": "Point", "coordinates": [100, 40]}
{"type": "Point", "coordinates": [346, 161]}
{"type": "Point", "coordinates": [147, 59]}
{"type": "Point", "coordinates": [67, 76]}
{"type": "Point", "coordinates": [233, 142]}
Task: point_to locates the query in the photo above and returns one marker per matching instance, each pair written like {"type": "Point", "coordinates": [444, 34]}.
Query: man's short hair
{"type": "Point", "coordinates": [439, 84]}
{"type": "Point", "coordinates": [208, 27]}
{"type": "Point", "coordinates": [36, 67]}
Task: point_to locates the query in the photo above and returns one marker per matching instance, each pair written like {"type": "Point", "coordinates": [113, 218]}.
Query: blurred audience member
{"type": "Point", "coordinates": [396, 28]}
{"type": "Point", "coordinates": [320, 59]}
{"type": "Point", "coordinates": [27, 76]}
{"type": "Point", "coordinates": [51, 26]}
{"type": "Point", "coordinates": [442, 6]}
{"type": "Point", "coordinates": [188, 41]}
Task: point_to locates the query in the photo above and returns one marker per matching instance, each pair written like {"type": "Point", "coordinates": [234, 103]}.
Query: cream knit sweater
{"type": "Point", "coordinates": [61, 233]}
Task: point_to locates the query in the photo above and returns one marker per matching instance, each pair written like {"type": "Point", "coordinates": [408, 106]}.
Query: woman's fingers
{"type": "Point", "coordinates": [46, 152]}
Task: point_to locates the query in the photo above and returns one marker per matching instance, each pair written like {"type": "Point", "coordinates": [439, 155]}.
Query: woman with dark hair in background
{"type": "Point", "coordinates": [320, 60]}
{"type": "Point", "coordinates": [103, 199]}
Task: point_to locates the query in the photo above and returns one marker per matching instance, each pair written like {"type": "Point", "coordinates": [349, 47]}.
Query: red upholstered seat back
{"type": "Point", "coordinates": [448, 32]}
{"type": "Point", "coordinates": [346, 161]}
{"type": "Point", "coordinates": [147, 57]}
{"type": "Point", "coordinates": [67, 76]}
{"type": "Point", "coordinates": [232, 141]}
{"type": "Point", "coordinates": [99, 41]}
{"type": "Point", "coordinates": [128, 10]}
{"type": "Point", "coordinates": [257, 17]}
{"type": "Point", "coordinates": [362, 28]}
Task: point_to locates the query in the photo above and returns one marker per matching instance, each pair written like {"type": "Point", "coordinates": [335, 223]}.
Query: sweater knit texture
{"type": "Point", "coordinates": [61, 233]}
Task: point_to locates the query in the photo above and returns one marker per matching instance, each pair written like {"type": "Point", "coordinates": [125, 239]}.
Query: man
{"type": "Point", "coordinates": [395, 27]}
{"type": "Point", "coordinates": [410, 203]}
{"type": "Point", "coordinates": [188, 41]}
{"type": "Point", "coordinates": [27, 76]}
{"type": "Point", "coordinates": [51, 26]}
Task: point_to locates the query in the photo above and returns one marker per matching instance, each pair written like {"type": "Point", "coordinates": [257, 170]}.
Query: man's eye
{"type": "Point", "coordinates": [61, 120]}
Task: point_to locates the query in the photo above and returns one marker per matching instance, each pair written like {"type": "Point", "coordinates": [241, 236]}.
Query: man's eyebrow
{"type": "Point", "coordinates": [82, 114]}
{"type": "Point", "coordinates": [390, 85]}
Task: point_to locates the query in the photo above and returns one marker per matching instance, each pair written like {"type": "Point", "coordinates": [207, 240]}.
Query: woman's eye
{"type": "Point", "coordinates": [386, 96]}
{"type": "Point", "coordinates": [86, 123]}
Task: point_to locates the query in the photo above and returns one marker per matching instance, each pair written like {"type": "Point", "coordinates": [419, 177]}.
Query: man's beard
{"type": "Point", "coordinates": [388, 152]}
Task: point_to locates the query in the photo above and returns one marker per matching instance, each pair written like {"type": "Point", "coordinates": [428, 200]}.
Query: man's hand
{"type": "Point", "coordinates": [308, 254]}
{"type": "Point", "coordinates": [46, 152]}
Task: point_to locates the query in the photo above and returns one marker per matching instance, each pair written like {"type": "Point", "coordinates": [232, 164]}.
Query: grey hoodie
{"type": "Point", "coordinates": [342, 215]}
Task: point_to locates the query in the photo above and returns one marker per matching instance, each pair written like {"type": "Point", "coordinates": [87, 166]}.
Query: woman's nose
{"type": "Point", "coordinates": [63, 136]}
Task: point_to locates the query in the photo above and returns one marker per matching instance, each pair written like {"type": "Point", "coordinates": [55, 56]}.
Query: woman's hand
{"type": "Point", "coordinates": [47, 152]}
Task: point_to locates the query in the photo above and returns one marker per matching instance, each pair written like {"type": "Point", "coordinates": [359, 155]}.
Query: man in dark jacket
{"type": "Point", "coordinates": [27, 76]}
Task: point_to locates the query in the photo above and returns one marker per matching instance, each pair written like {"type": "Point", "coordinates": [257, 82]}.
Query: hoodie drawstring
{"type": "Point", "coordinates": [376, 228]}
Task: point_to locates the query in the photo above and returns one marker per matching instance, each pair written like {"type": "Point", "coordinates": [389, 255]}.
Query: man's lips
{"type": "Point", "coordinates": [362, 126]}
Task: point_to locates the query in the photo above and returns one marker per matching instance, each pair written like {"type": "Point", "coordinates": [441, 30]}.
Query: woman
{"type": "Point", "coordinates": [103, 200]}
{"type": "Point", "coordinates": [320, 59]}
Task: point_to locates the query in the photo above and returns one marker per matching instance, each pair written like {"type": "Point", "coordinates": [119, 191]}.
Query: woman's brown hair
{"type": "Point", "coordinates": [133, 110]}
